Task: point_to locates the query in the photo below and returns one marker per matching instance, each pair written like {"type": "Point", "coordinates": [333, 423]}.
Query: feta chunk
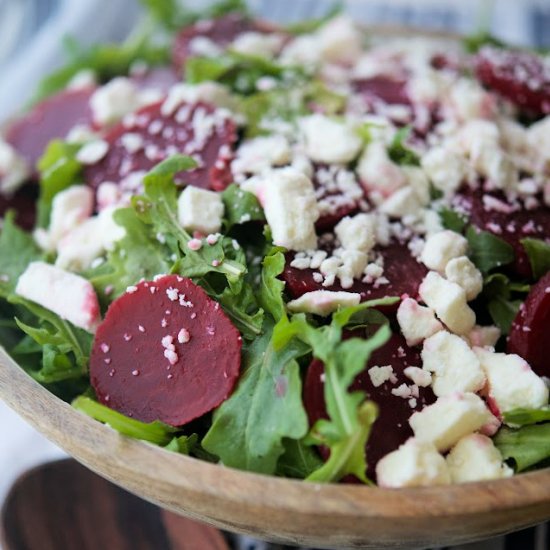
{"type": "Point", "coordinates": [303, 50]}
{"type": "Point", "coordinates": [468, 100]}
{"type": "Point", "coordinates": [71, 297]}
{"type": "Point", "coordinates": [357, 232]}
{"type": "Point", "coordinates": [14, 170]}
{"type": "Point", "coordinates": [464, 273]}
{"type": "Point", "coordinates": [92, 152]}
{"type": "Point", "coordinates": [200, 210]}
{"type": "Point", "coordinates": [291, 209]}
{"type": "Point", "coordinates": [449, 419]}
{"type": "Point", "coordinates": [114, 100]}
{"type": "Point", "coordinates": [483, 337]}
{"type": "Point", "coordinates": [419, 182]}
{"type": "Point", "coordinates": [414, 464]}
{"type": "Point", "coordinates": [448, 300]}
{"type": "Point", "coordinates": [511, 382]}
{"type": "Point", "coordinates": [441, 248]}
{"type": "Point", "coordinates": [257, 44]}
{"type": "Point", "coordinates": [70, 208]}
{"type": "Point", "coordinates": [445, 168]}
{"type": "Point", "coordinates": [328, 140]}
{"type": "Point", "coordinates": [262, 153]}
{"type": "Point", "coordinates": [454, 365]}
{"type": "Point", "coordinates": [210, 92]}
{"type": "Point", "coordinates": [380, 375]}
{"type": "Point", "coordinates": [323, 302]}
{"type": "Point", "coordinates": [538, 136]}
{"type": "Point", "coordinates": [475, 458]}
{"type": "Point", "coordinates": [416, 322]}
{"type": "Point", "coordinates": [377, 172]}
{"type": "Point", "coordinates": [401, 203]}
{"type": "Point", "coordinates": [340, 41]}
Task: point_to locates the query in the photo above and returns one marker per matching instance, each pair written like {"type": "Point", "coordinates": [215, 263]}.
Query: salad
{"type": "Point", "coordinates": [315, 252]}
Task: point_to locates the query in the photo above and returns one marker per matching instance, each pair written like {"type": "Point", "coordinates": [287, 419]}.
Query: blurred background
{"type": "Point", "coordinates": [31, 36]}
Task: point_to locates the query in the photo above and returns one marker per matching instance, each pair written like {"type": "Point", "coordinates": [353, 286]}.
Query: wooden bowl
{"type": "Point", "coordinates": [278, 509]}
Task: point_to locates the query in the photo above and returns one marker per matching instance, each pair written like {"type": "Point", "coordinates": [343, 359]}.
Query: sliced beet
{"type": "Point", "coordinates": [157, 78]}
{"type": "Point", "coordinates": [50, 119]}
{"type": "Point", "coordinates": [198, 130]}
{"type": "Point", "coordinates": [392, 91]}
{"type": "Point", "coordinates": [165, 351]}
{"type": "Point", "coordinates": [510, 221]}
{"type": "Point", "coordinates": [521, 77]}
{"type": "Point", "coordinates": [530, 331]}
{"type": "Point", "coordinates": [401, 269]}
{"type": "Point", "coordinates": [221, 31]}
{"type": "Point", "coordinates": [391, 429]}
{"type": "Point", "coordinates": [24, 204]}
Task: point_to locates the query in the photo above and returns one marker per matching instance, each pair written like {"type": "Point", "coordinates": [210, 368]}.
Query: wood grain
{"type": "Point", "coordinates": [64, 506]}
{"type": "Point", "coordinates": [279, 509]}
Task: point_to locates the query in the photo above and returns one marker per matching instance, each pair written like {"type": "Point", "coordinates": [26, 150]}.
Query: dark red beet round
{"type": "Point", "coordinates": [510, 222]}
{"type": "Point", "coordinates": [383, 88]}
{"type": "Point", "coordinates": [391, 429]}
{"type": "Point", "coordinates": [521, 77]}
{"type": "Point", "coordinates": [51, 119]}
{"type": "Point", "coordinates": [402, 270]}
{"type": "Point", "coordinates": [24, 204]}
{"type": "Point", "coordinates": [198, 130]}
{"type": "Point", "coordinates": [221, 31]}
{"type": "Point", "coordinates": [131, 367]}
{"type": "Point", "coordinates": [530, 331]}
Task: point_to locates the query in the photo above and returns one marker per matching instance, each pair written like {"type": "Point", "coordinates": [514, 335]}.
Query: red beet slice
{"type": "Point", "coordinates": [157, 78]}
{"type": "Point", "coordinates": [165, 351]}
{"type": "Point", "coordinates": [521, 77]}
{"type": "Point", "coordinates": [383, 88]}
{"type": "Point", "coordinates": [530, 331]}
{"type": "Point", "coordinates": [391, 429]}
{"type": "Point", "coordinates": [401, 269]}
{"type": "Point", "coordinates": [24, 204]}
{"type": "Point", "coordinates": [52, 118]}
{"type": "Point", "coordinates": [221, 31]}
{"type": "Point", "coordinates": [199, 130]}
{"type": "Point", "coordinates": [510, 221]}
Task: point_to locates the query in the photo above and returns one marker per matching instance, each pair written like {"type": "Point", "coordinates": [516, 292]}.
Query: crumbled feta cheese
{"type": "Point", "coordinates": [445, 168]}
{"type": "Point", "coordinates": [200, 210]}
{"type": "Point", "coordinates": [511, 382]}
{"type": "Point", "coordinates": [416, 322]}
{"type": "Point", "coordinates": [323, 302]}
{"type": "Point", "coordinates": [401, 203]}
{"type": "Point", "coordinates": [419, 376]}
{"type": "Point", "coordinates": [329, 140]}
{"type": "Point", "coordinates": [449, 419]}
{"type": "Point", "coordinates": [85, 78]}
{"type": "Point", "coordinates": [210, 92]}
{"type": "Point", "coordinates": [414, 464]}
{"type": "Point", "coordinates": [454, 365]}
{"type": "Point", "coordinates": [441, 248]}
{"type": "Point", "coordinates": [538, 136]}
{"type": "Point", "coordinates": [354, 263]}
{"type": "Point", "coordinates": [92, 152]}
{"type": "Point", "coordinates": [302, 50]}
{"type": "Point", "coordinates": [340, 40]}
{"type": "Point", "coordinates": [448, 300]}
{"type": "Point", "coordinates": [114, 100]}
{"type": "Point", "coordinates": [262, 153]}
{"type": "Point", "coordinates": [14, 170]}
{"type": "Point", "coordinates": [483, 337]}
{"type": "Point", "coordinates": [468, 100]}
{"type": "Point", "coordinates": [71, 297]}
{"type": "Point", "coordinates": [357, 232]}
{"type": "Point", "coordinates": [419, 182]}
{"type": "Point", "coordinates": [257, 44]}
{"type": "Point", "coordinates": [464, 273]}
{"type": "Point", "coordinates": [203, 46]}
{"type": "Point", "coordinates": [475, 458]}
{"type": "Point", "coordinates": [380, 375]}
{"type": "Point", "coordinates": [290, 208]}
{"type": "Point", "coordinates": [377, 172]}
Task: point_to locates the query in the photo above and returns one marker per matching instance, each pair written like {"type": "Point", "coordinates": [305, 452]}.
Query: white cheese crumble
{"type": "Point", "coordinates": [92, 152]}
{"type": "Point", "coordinates": [357, 232]}
{"type": "Point", "coordinates": [441, 248]}
{"type": "Point", "coordinates": [464, 273]}
{"type": "Point", "coordinates": [323, 302]}
{"type": "Point", "coordinates": [14, 170]}
{"type": "Point", "coordinates": [111, 102]}
{"type": "Point", "coordinates": [416, 322]}
{"type": "Point", "coordinates": [381, 375]}
{"type": "Point", "coordinates": [200, 210]}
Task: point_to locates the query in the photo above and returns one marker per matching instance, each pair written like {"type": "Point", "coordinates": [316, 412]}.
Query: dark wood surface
{"type": "Point", "coordinates": [64, 506]}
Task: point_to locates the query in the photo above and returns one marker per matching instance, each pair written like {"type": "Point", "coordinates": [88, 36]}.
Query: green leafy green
{"type": "Point", "coordinates": [271, 288]}
{"type": "Point", "coordinates": [351, 417]}
{"type": "Point", "coordinates": [527, 446]}
{"type": "Point", "coordinates": [183, 444]}
{"type": "Point", "coordinates": [524, 417]}
{"type": "Point", "coordinates": [240, 207]}
{"type": "Point", "coordinates": [453, 220]}
{"type": "Point", "coordinates": [154, 432]}
{"type": "Point", "coordinates": [538, 253]}
{"type": "Point", "coordinates": [311, 25]}
{"type": "Point", "coordinates": [487, 251]}
{"type": "Point", "coordinates": [17, 251]}
{"type": "Point", "coordinates": [298, 460]}
{"type": "Point", "coordinates": [399, 152]}
{"type": "Point", "coordinates": [474, 42]}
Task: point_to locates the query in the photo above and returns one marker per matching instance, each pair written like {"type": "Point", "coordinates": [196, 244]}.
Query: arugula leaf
{"type": "Point", "coordinates": [240, 207]}
{"type": "Point", "coordinates": [311, 25]}
{"type": "Point", "coordinates": [270, 294]}
{"type": "Point", "coordinates": [487, 251]}
{"type": "Point", "coordinates": [183, 444]}
{"type": "Point", "coordinates": [248, 429]}
{"type": "Point", "coordinates": [58, 169]}
{"type": "Point", "coordinates": [527, 446]}
{"type": "Point", "coordinates": [299, 460]}
{"type": "Point", "coordinates": [524, 417]}
{"type": "Point", "coordinates": [474, 42]}
{"type": "Point", "coordinates": [154, 432]}
{"type": "Point", "coordinates": [17, 251]}
{"type": "Point", "coordinates": [351, 417]}
{"type": "Point", "coordinates": [399, 152]}
{"type": "Point", "coordinates": [539, 256]}
{"type": "Point", "coordinates": [453, 220]}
